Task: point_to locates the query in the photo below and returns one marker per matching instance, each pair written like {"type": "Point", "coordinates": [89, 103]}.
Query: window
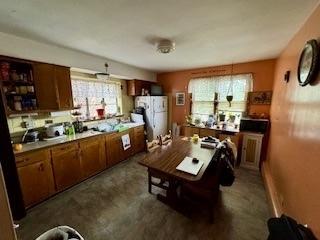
{"type": "Point", "coordinates": [95, 91]}
{"type": "Point", "coordinates": [203, 90]}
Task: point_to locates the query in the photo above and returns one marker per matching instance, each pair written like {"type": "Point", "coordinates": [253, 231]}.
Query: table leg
{"type": "Point", "coordinates": [171, 197]}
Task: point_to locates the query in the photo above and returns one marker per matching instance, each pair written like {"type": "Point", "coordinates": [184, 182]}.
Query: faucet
{"type": "Point", "coordinates": [24, 136]}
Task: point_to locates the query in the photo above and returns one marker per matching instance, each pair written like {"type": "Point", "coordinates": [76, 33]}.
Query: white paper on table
{"type": "Point", "coordinates": [126, 141]}
{"type": "Point", "coordinates": [189, 167]}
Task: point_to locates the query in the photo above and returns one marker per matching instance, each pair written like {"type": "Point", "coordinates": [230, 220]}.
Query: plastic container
{"type": "Point", "coordinates": [60, 232]}
{"type": "Point", "coordinates": [100, 112]}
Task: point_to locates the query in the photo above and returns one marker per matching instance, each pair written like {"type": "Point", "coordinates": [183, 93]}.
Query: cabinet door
{"type": "Point", "coordinates": [139, 139]}
{"type": "Point", "coordinates": [36, 177]}
{"type": "Point", "coordinates": [63, 80]}
{"type": "Point", "coordinates": [113, 144]}
{"type": "Point", "coordinates": [93, 158]}
{"type": "Point", "coordinates": [189, 131]}
{"type": "Point", "coordinates": [124, 154]}
{"type": "Point", "coordinates": [131, 91]}
{"type": "Point", "coordinates": [251, 149]}
{"type": "Point", "coordinates": [66, 165]}
{"type": "Point", "coordinates": [45, 86]}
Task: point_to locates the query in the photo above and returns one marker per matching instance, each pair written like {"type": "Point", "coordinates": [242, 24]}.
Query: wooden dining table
{"type": "Point", "coordinates": [166, 158]}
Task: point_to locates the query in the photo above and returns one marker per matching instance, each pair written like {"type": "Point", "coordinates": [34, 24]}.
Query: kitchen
{"type": "Point", "coordinates": [60, 126]}
{"type": "Point", "coordinates": [161, 120]}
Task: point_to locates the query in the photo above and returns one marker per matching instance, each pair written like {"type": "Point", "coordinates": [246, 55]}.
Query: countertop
{"type": "Point", "coordinates": [78, 136]}
{"type": "Point", "coordinates": [227, 129]}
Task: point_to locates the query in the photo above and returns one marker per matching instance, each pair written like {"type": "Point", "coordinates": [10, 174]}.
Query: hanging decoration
{"type": "Point", "coordinates": [230, 90]}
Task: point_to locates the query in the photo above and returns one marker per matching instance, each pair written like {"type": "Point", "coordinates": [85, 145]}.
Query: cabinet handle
{"type": "Point", "coordinates": [41, 168]}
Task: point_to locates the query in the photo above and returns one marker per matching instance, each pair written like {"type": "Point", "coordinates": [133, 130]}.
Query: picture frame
{"type": "Point", "coordinates": [180, 98]}
{"type": "Point", "coordinates": [260, 98]}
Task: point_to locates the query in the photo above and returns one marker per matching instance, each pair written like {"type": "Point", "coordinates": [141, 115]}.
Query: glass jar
{"type": "Point", "coordinates": [17, 104]}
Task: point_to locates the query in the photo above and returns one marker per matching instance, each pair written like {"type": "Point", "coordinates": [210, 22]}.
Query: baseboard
{"type": "Point", "coordinates": [272, 196]}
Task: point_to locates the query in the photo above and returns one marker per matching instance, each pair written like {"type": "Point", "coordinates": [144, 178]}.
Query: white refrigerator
{"type": "Point", "coordinates": [156, 110]}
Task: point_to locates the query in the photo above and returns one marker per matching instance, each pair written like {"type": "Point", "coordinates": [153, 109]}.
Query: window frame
{"type": "Point", "coordinates": [118, 103]}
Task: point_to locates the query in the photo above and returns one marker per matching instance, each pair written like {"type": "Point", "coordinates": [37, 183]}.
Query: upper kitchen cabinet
{"type": "Point", "coordinates": [17, 85]}
{"type": "Point", "coordinates": [53, 87]}
{"type": "Point", "coordinates": [135, 87]}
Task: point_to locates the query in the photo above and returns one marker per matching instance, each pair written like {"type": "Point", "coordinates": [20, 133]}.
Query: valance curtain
{"type": "Point", "coordinates": [203, 90]}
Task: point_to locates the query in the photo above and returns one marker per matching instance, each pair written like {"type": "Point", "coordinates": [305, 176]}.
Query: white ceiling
{"type": "Point", "coordinates": [206, 32]}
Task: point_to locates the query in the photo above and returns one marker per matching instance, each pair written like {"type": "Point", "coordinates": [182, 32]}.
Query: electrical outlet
{"type": "Point", "coordinates": [28, 123]}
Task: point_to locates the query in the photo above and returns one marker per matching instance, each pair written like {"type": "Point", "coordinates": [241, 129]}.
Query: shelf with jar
{"type": "Point", "coordinates": [17, 84]}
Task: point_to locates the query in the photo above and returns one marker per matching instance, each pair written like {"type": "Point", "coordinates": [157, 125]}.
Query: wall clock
{"type": "Point", "coordinates": [308, 63]}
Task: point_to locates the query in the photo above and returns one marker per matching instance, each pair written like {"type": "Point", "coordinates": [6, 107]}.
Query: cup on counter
{"type": "Point", "coordinates": [195, 138]}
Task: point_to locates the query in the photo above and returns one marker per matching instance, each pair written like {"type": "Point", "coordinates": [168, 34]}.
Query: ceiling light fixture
{"type": "Point", "coordinates": [103, 76]}
{"type": "Point", "coordinates": [165, 46]}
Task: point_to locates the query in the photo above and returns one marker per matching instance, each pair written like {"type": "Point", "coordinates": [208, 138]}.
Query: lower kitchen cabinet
{"type": "Point", "coordinates": [113, 144]}
{"type": "Point", "coordinates": [92, 156]}
{"type": "Point", "coordinates": [251, 150]}
{"type": "Point", "coordinates": [44, 172]}
{"type": "Point", "coordinates": [114, 147]}
{"type": "Point", "coordinates": [128, 152]}
{"type": "Point", "coordinates": [205, 132]}
{"type": "Point", "coordinates": [139, 141]}
{"type": "Point", "coordinates": [66, 165]}
{"type": "Point", "coordinates": [189, 131]}
{"type": "Point", "coordinates": [36, 177]}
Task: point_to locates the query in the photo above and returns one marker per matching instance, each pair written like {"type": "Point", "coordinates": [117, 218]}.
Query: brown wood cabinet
{"type": "Point", "coordinates": [92, 156]}
{"type": "Point", "coordinates": [205, 132]}
{"type": "Point", "coordinates": [189, 131]}
{"type": "Point", "coordinates": [138, 139]}
{"type": "Point", "coordinates": [66, 165]}
{"type": "Point", "coordinates": [113, 144]}
{"type": "Point", "coordinates": [135, 87]}
{"type": "Point", "coordinates": [126, 153]}
{"type": "Point", "coordinates": [36, 177]}
{"type": "Point", "coordinates": [43, 172]}
{"type": "Point", "coordinates": [53, 87]}
{"type": "Point", "coordinates": [114, 148]}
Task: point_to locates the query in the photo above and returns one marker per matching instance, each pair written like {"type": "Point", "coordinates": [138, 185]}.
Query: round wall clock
{"type": "Point", "coordinates": [308, 63]}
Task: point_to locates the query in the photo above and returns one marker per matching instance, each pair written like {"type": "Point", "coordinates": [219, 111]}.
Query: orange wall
{"type": "Point", "coordinates": [263, 74]}
{"type": "Point", "coordinates": [294, 146]}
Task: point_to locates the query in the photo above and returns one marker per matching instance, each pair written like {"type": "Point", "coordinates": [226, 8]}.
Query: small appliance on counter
{"type": "Point", "coordinates": [254, 125]}
{"type": "Point", "coordinates": [55, 130]}
{"type": "Point", "coordinates": [30, 136]}
{"type": "Point", "coordinates": [78, 126]}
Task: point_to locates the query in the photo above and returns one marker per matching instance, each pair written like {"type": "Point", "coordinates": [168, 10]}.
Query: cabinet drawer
{"type": "Point", "coordinates": [64, 147]}
{"type": "Point", "coordinates": [36, 180]}
{"type": "Point", "coordinates": [204, 132]}
{"type": "Point", "coordinates": [33, 157]}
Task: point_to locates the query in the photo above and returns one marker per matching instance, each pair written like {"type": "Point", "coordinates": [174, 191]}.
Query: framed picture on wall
{"type": "Point", "coordinates": [260, 98]}
{"type": "Point", "coordinates": [180, 98]}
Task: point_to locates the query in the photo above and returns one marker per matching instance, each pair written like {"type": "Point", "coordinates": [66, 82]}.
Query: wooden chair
{"type": "Point", "coordinates": [161, 181]}
{"type": "Point", "coordinates": [206, 191]}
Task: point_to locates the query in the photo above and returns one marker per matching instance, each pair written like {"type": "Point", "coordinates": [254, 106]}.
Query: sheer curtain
{"type": "Point", "coordinates": [203, 90]}
{"type": "Point", "coordinates": [95, 91]}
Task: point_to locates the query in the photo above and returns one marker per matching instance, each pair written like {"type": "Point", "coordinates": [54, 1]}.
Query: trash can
{"type": "Point", "coordinates": [61, 233]}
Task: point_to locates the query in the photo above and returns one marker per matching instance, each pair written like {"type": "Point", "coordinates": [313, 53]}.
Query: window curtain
{"type": "Point", "coordinates": [203, 90]}
{"type": "Point", "coordinates": [95, 91]}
